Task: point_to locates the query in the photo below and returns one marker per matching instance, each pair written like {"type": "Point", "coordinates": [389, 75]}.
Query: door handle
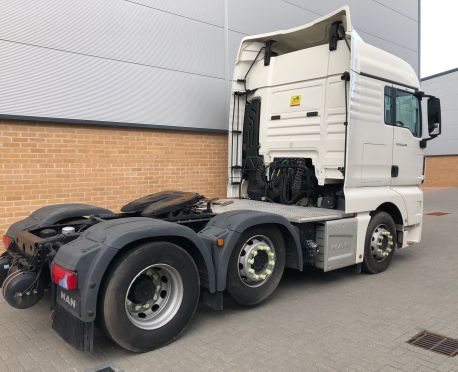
{"type": "Point", "coordinates": [394, 171]}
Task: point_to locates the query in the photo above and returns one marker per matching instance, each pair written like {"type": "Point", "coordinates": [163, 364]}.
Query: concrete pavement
{"type": "Point", "coordinates": [313, 322]}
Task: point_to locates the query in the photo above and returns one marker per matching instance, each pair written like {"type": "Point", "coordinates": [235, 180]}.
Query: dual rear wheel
{"type": "Point", "coordinates": [150, 296]}
{"type": "Point", "coordinates": [152, 291]}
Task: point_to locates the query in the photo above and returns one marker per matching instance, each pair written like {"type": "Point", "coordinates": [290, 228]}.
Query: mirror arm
{"type": "Point", "coordinates": [424, 141]}
{"type": "Point", "coordinates": [419, 94]}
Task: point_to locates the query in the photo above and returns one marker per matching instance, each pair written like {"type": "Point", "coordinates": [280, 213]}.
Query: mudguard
{"type": "Point", "coordinates": [51, 214]}
{"type": "Point", "coordinates": [230, 225]}
{"type": "Point", "coordinates": [92, 252]}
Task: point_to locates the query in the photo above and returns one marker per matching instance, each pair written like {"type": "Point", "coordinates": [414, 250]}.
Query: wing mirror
{"type": "Point", "coordinates": [434, 116]}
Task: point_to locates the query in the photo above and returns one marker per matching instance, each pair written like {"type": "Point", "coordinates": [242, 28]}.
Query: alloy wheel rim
{"type": "Point", "coordinates": [154, 296]}
{"type": "Point", "coordinates": [256, 261]}
{"type": "Point", "coordinates": [381, 243]}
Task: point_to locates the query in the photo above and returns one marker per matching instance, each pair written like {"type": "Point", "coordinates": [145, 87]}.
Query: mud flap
{"type": "Point", "coordinates": [77, 333]}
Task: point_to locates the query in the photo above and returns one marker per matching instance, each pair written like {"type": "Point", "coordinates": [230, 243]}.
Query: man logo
{"type": "Point", "coordinates": [338, 246]}
{"type": "Point", "coordinates": [68, 299]}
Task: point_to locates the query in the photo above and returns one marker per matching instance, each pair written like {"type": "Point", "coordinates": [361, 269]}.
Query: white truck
{"type": "Point", "coordinates": [325, 162]}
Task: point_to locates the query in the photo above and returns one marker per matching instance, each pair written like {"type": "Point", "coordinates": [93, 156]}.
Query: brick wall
{"type": "Point", "coordinates": [43, 163]}
{"type": "Point", "coordinates": [441, 171]}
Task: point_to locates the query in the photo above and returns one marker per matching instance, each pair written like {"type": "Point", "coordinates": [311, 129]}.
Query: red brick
{"type": "Point", "coordinates": [48, 163]}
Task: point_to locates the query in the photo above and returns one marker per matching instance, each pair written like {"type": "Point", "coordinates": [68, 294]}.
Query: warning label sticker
{"type": "Point", "coordinates": [295, 101]}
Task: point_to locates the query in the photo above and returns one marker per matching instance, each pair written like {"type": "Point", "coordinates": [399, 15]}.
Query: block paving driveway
{"type": "Point", "coordinates": [338, 321]}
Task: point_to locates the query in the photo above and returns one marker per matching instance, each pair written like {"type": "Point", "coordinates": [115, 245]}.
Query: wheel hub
{"type": "Point", "coordinates": [154, 296]}
{"type": "Point", "coordinates": [381, 243]}
{"type": "Point", "coordinates": [256, 261]}
{"type": "Point", "coordinates": [142, 290]}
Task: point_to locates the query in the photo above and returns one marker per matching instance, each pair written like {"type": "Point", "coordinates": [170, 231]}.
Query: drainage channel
{"type": "Point", "coordinates": [437, 343]}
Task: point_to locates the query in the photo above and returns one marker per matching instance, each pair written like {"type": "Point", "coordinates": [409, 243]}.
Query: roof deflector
{"type": "Point", "coordinates": [312, 34]}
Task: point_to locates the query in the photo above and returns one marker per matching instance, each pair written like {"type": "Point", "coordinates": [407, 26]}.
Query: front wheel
{"type": "Point", "coordinates": [150, 296]}
{"type": "Point", "coordinates": [380, 243]}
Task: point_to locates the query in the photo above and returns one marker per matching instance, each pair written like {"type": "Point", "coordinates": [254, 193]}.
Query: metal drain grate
{"type": "Point", "coordinates": [434, 342]}
{"type": "Point", "coordinates": [437, 213]}
{"type": "Point", "coordinates": [111, 367]}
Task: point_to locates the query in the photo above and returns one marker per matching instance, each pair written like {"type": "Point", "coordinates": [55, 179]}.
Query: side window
{"type": "Point", "coordinates": [408, 112]}
{"type": "Point", "coordinates": [402, 109]}
{"type": "Point", "coordinates": [388, 106]}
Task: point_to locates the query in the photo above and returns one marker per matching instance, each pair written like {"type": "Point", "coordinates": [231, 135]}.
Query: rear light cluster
{"type": "Point", "coordinates": [64, 278]}
{"type": "Point", "coordinates": [6, 241]}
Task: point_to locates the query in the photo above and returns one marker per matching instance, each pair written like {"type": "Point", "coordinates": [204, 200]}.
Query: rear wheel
{"type": "Point", "coordinates": [380, 243]}
{"type": "Point", "coordinates": [256, 265]}
{"type": "Point", "coordinates": [150, 296]}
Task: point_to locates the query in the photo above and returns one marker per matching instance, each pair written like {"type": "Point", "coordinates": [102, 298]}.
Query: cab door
{"type": "Point", "coordinates": [407, 168]}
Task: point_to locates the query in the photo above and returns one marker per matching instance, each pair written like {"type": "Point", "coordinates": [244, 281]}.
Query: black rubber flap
{"type": "Point", "coordinates": [77, 333]}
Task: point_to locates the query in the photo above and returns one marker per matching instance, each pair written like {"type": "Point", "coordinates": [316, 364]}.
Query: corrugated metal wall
{"type": "Point", "coordinates": [156, 62]}
{"type": "Point", "coordinates": [444, 86]}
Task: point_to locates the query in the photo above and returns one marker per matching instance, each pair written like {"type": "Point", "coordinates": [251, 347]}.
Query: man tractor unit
{"type": "Point", "coordinates": [326, 139]}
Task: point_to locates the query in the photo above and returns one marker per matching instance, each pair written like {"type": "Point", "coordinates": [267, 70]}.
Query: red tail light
{"type": "Point", "coordinates": [6, 241]}
{"type": "Point", "coordinates": [64, 278]}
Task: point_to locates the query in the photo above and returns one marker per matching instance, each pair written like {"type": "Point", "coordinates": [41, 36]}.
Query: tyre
{"type": "Point", "coordinates": [150, 296]}
{"type": "Point", "coordinates": [380, 243]}
{"type": "Point", "coordinates": [256, 265]}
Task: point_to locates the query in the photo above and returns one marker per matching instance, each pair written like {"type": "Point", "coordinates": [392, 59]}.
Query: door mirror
{"type": "Point", "coordinates": [434, 116]}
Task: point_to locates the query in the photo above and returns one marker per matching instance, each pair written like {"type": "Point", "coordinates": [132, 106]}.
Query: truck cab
{"type": "Point", "coordinates": [351, 112]}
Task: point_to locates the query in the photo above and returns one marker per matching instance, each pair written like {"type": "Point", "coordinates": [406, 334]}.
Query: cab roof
{"type": "Point", "coordinates": [365, 58]}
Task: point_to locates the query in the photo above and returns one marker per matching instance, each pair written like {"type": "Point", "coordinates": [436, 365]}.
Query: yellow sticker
{"type": "Point", "coordinates": [295, 101]}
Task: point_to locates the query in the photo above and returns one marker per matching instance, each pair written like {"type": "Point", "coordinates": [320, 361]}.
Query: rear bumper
{"type": "Point", "coordinates": [77, 333]}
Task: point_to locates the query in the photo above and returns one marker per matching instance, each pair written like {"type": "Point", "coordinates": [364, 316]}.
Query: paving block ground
{"type": "Point", "coordinates": [337, 321]}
